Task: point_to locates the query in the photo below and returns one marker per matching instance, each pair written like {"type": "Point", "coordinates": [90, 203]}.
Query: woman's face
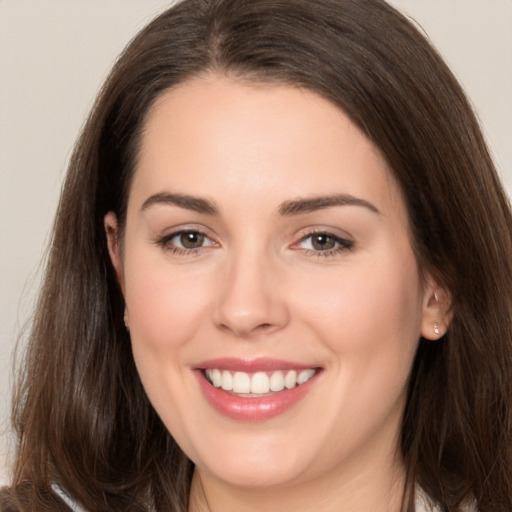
{"type": "Point", "coordinates": [267, 248]}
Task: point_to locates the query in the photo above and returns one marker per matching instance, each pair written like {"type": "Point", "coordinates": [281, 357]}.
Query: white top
{"type": "Point", "coordinates": [422, 503]}
{"type": "Point", "coordinates": [67, 500]}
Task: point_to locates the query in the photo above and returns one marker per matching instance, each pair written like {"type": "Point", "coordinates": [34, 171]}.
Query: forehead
{"type": "Point", "coordinates": [213, 134]}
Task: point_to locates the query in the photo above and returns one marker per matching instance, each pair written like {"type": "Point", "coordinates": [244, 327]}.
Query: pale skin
{"type": "Point", "coordinates": [332, 285]}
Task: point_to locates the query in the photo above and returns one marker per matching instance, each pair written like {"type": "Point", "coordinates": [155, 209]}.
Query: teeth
{"type": "Point", "coordinates": [291, 379]}
{"type": "Point", "coordinates": [227, 381]}
{"type": "Point", "coordinates": [277, 381]}
{"type": "Point", "coordinates": [258, 383]}
{"type": "Point", "coordinates": [216, 378]}
{"type": "Point", "coordinates": [305, 375]}
{"type": "Point", "coordinates": [241, 382]}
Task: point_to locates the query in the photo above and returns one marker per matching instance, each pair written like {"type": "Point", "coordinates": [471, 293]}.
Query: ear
{"type": "Point", "coordinates": [114, 246]}
{"type": "Point", "coordinates": [437, 311]}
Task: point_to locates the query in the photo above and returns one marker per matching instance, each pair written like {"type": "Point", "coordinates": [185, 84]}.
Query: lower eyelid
{"type": "Point", "coordinates": [324, 254]}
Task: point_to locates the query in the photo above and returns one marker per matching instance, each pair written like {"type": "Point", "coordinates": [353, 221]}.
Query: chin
{"type": "Point", "coordinates": [245, 473]}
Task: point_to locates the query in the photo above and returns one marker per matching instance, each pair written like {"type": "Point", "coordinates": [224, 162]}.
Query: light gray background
{"type": "Point", "coordinates": [54, 55]}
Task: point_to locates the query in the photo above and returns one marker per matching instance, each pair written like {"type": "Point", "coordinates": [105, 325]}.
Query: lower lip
{"type": "Point", "coordinates": [252, 409]}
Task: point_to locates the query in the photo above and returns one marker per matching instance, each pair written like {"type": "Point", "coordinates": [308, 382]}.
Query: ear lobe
{"type": "Point", "coordinates": [114, 248]}
{"type": "Point", "coordinates": [437, 312]}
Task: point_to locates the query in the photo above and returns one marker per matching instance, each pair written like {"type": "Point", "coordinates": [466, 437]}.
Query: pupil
{"type": "Point", "coordinates": [192, 240]}
{"type": "Point", "coordinates": [323, 242]}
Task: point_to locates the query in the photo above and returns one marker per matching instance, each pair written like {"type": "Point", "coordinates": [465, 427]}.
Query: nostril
{"type": "Point", "coordinates": [264, 327]}
{"type": "Point", "coordinates": [245, 331]}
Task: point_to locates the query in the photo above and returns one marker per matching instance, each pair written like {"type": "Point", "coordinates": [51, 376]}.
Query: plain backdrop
{"type": "Point", "coordinates": [54, 55]}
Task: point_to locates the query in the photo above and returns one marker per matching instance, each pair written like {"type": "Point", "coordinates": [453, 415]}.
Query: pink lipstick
{"type": "Point", "coordinates": [254, 390]}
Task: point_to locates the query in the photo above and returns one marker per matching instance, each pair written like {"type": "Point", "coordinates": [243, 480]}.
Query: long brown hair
{"type": "Point", "coordinates": [81, 415]}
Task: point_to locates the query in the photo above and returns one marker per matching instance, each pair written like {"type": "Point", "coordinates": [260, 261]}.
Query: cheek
{"type": "Point", "coordinates": [369, 319]}
{"type": "Point", "coordinates": [165, 309]}
{"type": "Point", "coordinates": [164, 304]}
{"type": "Point", "coordinates": [372, 299]}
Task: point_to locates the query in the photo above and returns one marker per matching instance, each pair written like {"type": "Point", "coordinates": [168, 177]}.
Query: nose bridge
{"type": "Point", "coordinates": [249, 301]}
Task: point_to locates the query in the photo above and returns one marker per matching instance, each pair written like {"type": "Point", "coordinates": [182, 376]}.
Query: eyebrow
{"type": "Point", "coordinates": [307, 205]}
{"type": "Point", "coordinates": [286, 209]}
{"type": "Point", "coordinates": [196, 204]}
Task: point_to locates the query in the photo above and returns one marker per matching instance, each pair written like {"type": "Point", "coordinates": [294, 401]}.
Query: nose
{"type": "Point", "coordinates": [251, 299]}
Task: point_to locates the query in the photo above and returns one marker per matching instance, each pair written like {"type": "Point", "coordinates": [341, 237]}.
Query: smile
{"type": "Point", "coordinates": [254, 390]}
{"type": "Point", "coordinates": [259, 383]}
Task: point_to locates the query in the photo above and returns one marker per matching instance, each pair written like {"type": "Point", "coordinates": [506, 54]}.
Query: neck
{"type": "Point", "coordinates": [376, 488]}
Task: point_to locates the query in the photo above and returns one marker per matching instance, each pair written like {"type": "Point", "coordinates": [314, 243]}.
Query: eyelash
{"type": "Point", "coordinates": [343, 244]}
{"type": "Point", "coordinates": [165, 242]}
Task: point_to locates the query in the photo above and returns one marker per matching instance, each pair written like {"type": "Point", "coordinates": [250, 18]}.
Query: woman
{"type": "Point", "coordinates": [279, 278]}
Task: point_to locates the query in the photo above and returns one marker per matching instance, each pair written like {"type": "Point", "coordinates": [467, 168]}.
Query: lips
{"type": "Point", "coordinates": [254, 390]}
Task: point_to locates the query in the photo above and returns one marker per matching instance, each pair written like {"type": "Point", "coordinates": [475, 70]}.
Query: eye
{"type": "Point", "coordinates": [189, 239]}
{"type": "Point", "coordinates": [324, 243]}
{"type": "Point", "coordinates": [185, 241]}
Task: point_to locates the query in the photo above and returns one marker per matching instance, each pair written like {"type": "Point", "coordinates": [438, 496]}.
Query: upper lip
{"type": "Point", "coordinates": [261, 364]}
